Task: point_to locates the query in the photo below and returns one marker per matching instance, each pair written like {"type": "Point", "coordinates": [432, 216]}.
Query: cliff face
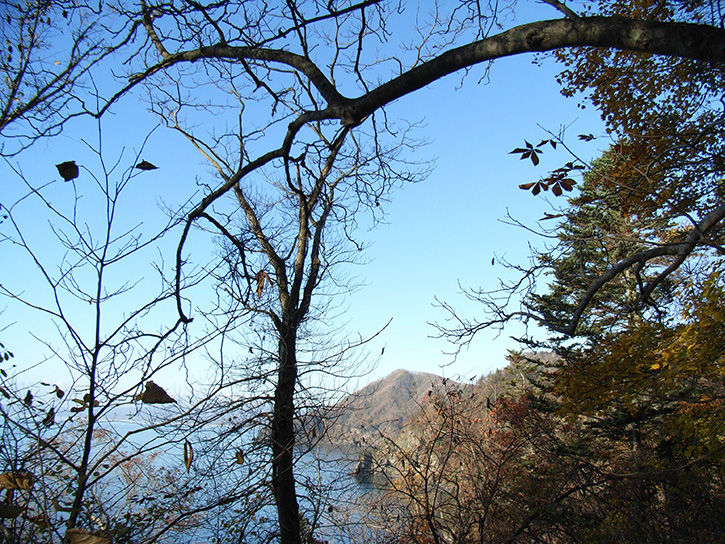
{"type": "Point", "coordinates": [383, 424]}
{"type": "Point", "coordinates": [379, 409]}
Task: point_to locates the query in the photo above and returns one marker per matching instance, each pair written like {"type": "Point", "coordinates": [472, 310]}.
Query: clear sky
{"type": "Point", "coordinates": [437, 234]}
{"type": "Point", "coordinates": [445, 231]}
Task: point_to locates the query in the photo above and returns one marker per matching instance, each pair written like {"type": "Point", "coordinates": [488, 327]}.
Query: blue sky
{"type": "Point", "coordinates": [437, 235]}
{"type": "Point", "coordinates": [446, 230]}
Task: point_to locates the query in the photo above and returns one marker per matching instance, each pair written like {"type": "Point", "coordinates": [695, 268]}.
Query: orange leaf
{"type": "Point", "coordinates": [261, 276]}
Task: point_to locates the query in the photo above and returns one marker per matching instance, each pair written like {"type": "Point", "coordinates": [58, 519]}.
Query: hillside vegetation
{"type": "Point", "coordinates": [506, 461]}
{"type": "Point", "coordinates": [381, 408]}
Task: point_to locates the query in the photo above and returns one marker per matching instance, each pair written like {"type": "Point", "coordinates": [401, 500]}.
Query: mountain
{"type": "Point", "coordinates": [381, 408]}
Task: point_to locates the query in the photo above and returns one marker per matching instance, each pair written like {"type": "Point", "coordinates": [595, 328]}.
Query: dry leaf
{"type": "Point", "coordinates": [154, 394]}
{"type": "Point", "coordinates": [568, 183]}
{"type": "Point", "coordinates": [261, 277]}
{"type": "Point", "coordinates": [68, 170]}
{"type": "Point", "coordinates": [16, 480]}
{"type": "Point", "coordinates": [188, 455]}
{"type": "Point", "coordinates": [84, 536]}
{"type": "Point", "coordinates": [49, 418]}
{"type": "Point", "coordinates": [146, 165]}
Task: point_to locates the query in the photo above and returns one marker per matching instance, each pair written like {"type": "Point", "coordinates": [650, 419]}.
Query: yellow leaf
{"type": "Point", "coordinates": [188, 455]}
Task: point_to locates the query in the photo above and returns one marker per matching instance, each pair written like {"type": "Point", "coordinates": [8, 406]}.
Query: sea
{"type": "Point", "coordinates": [333, 502]}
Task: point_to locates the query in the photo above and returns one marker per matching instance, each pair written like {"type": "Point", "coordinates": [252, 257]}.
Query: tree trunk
{"type": "Point", "coordinates": [283, 438]}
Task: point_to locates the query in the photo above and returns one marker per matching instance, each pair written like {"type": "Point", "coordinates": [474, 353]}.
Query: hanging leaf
{"type": "Point", "coordinates": [260, 278]}
{"type": "Point", "coordinates": [188, 455]}
{"type": "Point", "coordinates": [84, 536]}
{"type": "Point", "coordinates": [146, 165]}
{"type": "Point", "coordinates": [28, 400]}
{"type": "Point", "coordinates": [87, 399]}
{"type": "Point", "coordinates": [49, 419]}
{"type": "Point", "coordinates": [59, 392]}
{"type": "Point", "coordinates": [16, 480]}
{"type": "Point", "coordinates": [239, 455]}
{"type": "Point", "coordinates": [68, 170]}
{"type": "Point", "coordinates": [154, 394]}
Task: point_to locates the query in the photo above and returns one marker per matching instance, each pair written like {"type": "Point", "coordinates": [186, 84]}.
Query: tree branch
{"type": "Point", "coordinates": [680, 251]}
{"type": "Point", "coordinates": [699, 42]}
{"type": "Point", "coordinates": [571, 14]}
{"type": "Point", "coordinates": [694, 41]}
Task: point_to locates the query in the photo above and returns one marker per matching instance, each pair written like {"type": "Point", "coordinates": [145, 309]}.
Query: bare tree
{"type": "Point", "coordinates": [49, 52]}
{"type": "Point", "coordinates": [86, 422]}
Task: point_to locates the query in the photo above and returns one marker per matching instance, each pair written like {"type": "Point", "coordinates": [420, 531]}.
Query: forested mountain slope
{"type": "Point", "coordinates": [381, 408]}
